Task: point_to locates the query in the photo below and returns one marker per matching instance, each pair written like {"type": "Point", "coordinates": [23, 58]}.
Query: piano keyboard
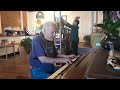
{"type": "Point", "coordinates": [62, 69]}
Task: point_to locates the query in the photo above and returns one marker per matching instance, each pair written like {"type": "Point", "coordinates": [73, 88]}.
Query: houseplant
{"type": "Point", "coordinates": [87, 38]}
{"type": "Point", "coordinates": [26, 43]}
{"type": "Point", "coordinates": [111, 33]}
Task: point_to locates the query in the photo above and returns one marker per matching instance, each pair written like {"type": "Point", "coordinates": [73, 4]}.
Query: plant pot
{"type": "Point", "coordinates": [22, 50]}
{"type": "Point", "coordinates": [110, 38]}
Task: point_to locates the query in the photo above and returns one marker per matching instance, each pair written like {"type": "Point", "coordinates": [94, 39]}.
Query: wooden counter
{"type": "Point", "coordinates": [6, 48]}
{"type": "Point", "coordinates": [17, 36]}
{"type": "Point", "coordinates": [8, 45]}
{"type": "Point", "coordinates": [17, 39]}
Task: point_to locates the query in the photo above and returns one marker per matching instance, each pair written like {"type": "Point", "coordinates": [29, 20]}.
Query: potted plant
{"type": "Point", "coordinates": [87, 38]}
{"type": "Point", "coordinates": [26, 43]}
{"type": "Point", "coordinates": [111, 33]}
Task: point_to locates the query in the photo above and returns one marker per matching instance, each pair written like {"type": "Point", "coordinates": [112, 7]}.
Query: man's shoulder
{"type": "Point", "coordinates": [36, 37]}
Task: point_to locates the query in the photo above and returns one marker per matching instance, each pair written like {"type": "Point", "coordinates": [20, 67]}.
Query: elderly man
{"type": "Point", "coordinates": [43, 54]}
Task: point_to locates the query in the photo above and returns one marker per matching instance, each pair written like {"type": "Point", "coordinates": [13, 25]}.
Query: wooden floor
{"type": "Point", "coordinates": [17, 67]}
{"type": "Point", "coordinates": [84, 45]}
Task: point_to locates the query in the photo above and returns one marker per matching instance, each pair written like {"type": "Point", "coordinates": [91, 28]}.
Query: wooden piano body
{"type": "Point", "coordinates": [91, 65]}
{"type": "Point", "coordinates": [75, 70]}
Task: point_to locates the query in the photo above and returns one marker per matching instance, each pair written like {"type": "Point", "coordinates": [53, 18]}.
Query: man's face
{"type": "Point", "coordinates": [50, 34]}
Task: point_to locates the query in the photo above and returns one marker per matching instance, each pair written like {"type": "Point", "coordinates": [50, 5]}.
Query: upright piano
{"type": "Point", "coordinates": [91, 65]}
{"type": "Point", "coordinates": [74, 70]}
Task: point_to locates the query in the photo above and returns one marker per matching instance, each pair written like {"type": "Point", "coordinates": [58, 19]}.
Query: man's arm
{"type": "Point", "coordinates": [66, 56]}
{"type": "Point", "coordinates": [66, 23]}
{"type": "Point", "coordinates": [45, 59]}
{"type": "Point", "coordinates": [61, 55]}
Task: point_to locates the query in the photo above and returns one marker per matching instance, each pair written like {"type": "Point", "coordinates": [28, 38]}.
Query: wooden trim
{"type": "Point", "coordinates": [60, 32]}
{"type": "Point", "coordinates": [96, 19]}
{"type": "Point", "coordinates": [6, 49]}
{"type": "Point", "coordinates": [27, 18]}
{"type": "Point", "coordinates": [21, 20]}
{"type": "Point", "coordinates": [59, 28]}
{"type": "Point", "coordinates": [0, 23]}
{"type": "Point", "coordinates": [92, 21]}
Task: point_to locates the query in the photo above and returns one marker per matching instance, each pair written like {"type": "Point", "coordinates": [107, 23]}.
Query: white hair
{"type": "Point", "coordinates": [48, 25]}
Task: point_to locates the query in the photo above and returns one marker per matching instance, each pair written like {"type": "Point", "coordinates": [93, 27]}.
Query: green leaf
{"type": "Point", "coordinates": [116, 25]}
{"type": "Point", "coordinates": [115, 32]}
{"type": "Point", "coordinates": [103, 26]}
{"type": "Point", "coordinates": [26, 43]}
{"type": "Point", "coordinates": [110, 26]}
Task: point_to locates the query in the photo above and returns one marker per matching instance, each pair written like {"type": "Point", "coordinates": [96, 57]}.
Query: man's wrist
{"type": "Point", "coordinates": [65, 56]}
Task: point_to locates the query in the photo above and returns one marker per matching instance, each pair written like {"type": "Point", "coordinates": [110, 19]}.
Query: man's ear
{"type": "Point", "coordinates": [44, 30]}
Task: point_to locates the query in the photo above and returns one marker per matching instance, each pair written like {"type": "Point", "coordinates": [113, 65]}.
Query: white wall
{"type": "Point", "coordinates": [49, 16]}
{"type": "Point", "coordinates": [31, 20]}
{"type": "Point", "coordinates": [85, 20]}
{"type": "Point", "coordinates": [100, 17]}
{"type": "Point", "coordinates": [97, 18]}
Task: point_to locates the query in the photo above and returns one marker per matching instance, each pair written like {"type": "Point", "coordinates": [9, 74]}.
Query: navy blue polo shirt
{"type": "Point", "coordinates": [36, 51]}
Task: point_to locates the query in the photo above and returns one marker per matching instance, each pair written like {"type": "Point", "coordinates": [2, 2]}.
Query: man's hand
{"type": "Point", "coordinates": [63, 21]}
{"type": "Point", "coordinates": [68, 61]}
{"type": "Point", "coordinates": [71, 56]}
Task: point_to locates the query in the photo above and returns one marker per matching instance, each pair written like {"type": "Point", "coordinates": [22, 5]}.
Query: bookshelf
{"type": "Point", "coordinates": [58, 38]}
{"type": "Point", "coordinates": [62, 35]}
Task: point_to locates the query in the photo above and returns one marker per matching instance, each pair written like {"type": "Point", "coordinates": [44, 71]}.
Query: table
{"type": "Point", "coordinates": [6, 46]}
